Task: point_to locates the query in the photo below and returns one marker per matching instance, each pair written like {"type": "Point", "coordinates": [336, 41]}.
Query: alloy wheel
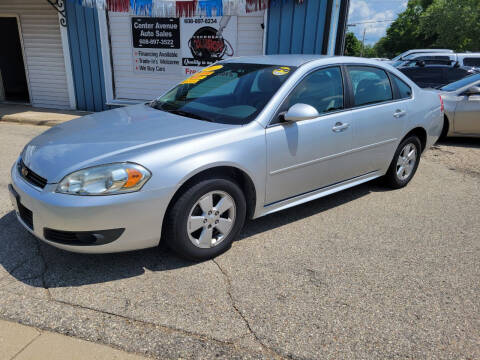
{"type": "Point", "coordinates": [406, 161]}
{"type": "Point", "coordinates": [211, 219]}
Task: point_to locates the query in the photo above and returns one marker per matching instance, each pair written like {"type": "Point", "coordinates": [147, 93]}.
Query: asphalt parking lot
{"type": "Point", "coordinates": [367, 273]}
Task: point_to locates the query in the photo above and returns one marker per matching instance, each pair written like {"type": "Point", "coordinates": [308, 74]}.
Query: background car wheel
{"type": "Point", "coordinates": [205, 219]}
{"type": "Point", "coordinates": [405, 163]}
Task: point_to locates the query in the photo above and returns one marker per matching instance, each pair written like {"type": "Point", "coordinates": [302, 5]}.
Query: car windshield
{"type": "Point", "coordinates": [231, 93]}
{"type": "Point", "coordinates": [461, 83]}
{"type": "Point", "coordinates": [398, 63]}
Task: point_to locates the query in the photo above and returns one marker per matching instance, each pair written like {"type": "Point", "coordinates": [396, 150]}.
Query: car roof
{"type": "Point", "coordinates": [415, 55]}
{"type": "Point", "coordinates": [418, 51]}
{"type": "Point", "coordinates": [287, 60]}
{"type": "Point", "coordinates": [472, 69]}
{"type": "Point", "coordinates": [472, 54]}
{"type": "Point", "coordinates": [428, 50]}
{"type": "Point", "coordinates": [301, 59]}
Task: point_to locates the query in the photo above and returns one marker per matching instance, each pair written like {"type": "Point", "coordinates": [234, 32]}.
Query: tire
{"type": "Point", "coordinates": [216, 233]}
{"type": "Point", "coordinates": [395, 177]}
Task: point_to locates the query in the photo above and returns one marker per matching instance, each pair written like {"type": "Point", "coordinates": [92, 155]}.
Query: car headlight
{"type": "Point", "coordinates": [105, 180]}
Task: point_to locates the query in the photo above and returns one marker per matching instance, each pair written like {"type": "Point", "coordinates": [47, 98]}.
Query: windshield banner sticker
{"type": "Point", "coordinates": [202, 74]}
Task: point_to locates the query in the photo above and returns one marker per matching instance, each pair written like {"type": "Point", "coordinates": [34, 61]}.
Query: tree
{"type": "Point", "coordinates": [403, 34]}
{"type": "Point", "coordinates": [370, 51]}
{"type": "Point", "coordinates": [453, 24]}
{"type": "Point", "coordinates": [353, 46]}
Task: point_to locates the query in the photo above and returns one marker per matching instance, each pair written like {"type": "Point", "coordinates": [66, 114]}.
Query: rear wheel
{"type": "Point", "coordinates": [405, 163]}
{"type": "Point", "coordinates": [205, 219]}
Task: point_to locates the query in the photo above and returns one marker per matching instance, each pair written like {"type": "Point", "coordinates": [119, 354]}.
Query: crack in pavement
{"type": "Point", "coordinates": [228, 282]}
{"type": "Point", "coordinates": [230, 343]}
{"type": "Point", "coordinates": [41, 274]}
{"type": "Point", "coordinates": [105, 340]}
{"type": "Point", "coordinates": [27, 345]}
{"type": "Point", "coordinates": [143, 322]}
{"type": "Point", "coordinates": [45, 269]}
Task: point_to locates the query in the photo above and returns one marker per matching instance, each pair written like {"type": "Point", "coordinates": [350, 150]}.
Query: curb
{"type": "Point", "coordinates": [7, 119]}
{"type": "Point", "coordinates": [26, 114]}
{"type": "Point", "coordinates": [22, 342]}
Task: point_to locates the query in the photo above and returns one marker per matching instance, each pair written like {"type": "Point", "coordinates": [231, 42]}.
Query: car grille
{"type": "Point", "coordinates": [26, 215]}
{"type": "Point", "coordinates": [63, 237]}
{"type": "Point", "coordinates": [30, 176]}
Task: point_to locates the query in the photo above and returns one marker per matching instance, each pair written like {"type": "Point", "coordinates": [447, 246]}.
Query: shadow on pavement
{"type": "Point", "coordinates": [460, 142]}
{"type": "Point", "coordinates": [26, 258]}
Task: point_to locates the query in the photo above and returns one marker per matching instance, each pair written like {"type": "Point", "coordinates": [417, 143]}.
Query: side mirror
{"type": "Point", "coordinates": [300, 112]}
{"type": "Point", "coordinates": [472, 90]}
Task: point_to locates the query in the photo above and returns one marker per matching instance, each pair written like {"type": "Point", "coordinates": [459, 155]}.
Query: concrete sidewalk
{"type": "Point", "coordinates": [26, 114]}
{"type": "Point", "coordinates": [21, 342]}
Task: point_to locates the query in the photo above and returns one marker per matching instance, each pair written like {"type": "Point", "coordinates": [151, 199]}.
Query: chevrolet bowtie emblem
{"type": "Point", "coordinates": [24, 171]}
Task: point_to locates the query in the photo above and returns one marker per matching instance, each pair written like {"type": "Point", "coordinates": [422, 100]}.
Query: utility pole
{"type": "Point", "coordinates": [363, 40]}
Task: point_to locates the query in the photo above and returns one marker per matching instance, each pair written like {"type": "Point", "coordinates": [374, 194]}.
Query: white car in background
{"type": "Point", "coordinates": [469, 59]}
{"type": "Point", "coordinates": [405, 55]}
{"type": "Point", "coordinates": [463, 59]}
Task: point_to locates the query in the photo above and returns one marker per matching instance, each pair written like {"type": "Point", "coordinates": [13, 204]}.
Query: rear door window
{"type": "Point", "coordinates": [425, 76]}
{"type": "Point", "coordinates": [404, 91]}
{"type": "Point", "coordinates": [455, 74]}
{"type": "Point", "coordinates": [471, 61]}
{"type": "Point", "coordinates": [370, 85]}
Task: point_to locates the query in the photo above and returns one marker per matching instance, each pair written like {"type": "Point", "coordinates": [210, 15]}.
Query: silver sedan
{"type": "Point", "coordinates": [462, 107]}
{"type": "Point", "coordinates": [240, 139]}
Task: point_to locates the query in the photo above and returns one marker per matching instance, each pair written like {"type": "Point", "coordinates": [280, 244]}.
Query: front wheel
{"type": "Point", "coordinates": [205, 219]}
{"type": "Point", "coordinates": [405, 163]}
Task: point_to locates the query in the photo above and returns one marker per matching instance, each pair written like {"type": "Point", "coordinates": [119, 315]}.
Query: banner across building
{"type": "Point", "coordinates": [180, 8]}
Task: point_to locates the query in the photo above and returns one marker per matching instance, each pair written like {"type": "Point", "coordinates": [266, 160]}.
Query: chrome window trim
{"type": "Point", "coordinates": [393, 100]}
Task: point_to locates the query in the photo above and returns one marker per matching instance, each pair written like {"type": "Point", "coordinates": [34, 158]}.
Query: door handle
{"type": "Point", "coordinates": [340, 127]}
{"type": "Point", "coordinates": [399, 113]}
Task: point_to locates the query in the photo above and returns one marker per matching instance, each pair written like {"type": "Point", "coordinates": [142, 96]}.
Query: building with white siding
{"type": "Point", "coordinates": [66, 55]}
{"type": "Point", "coordinates": [32, 62]}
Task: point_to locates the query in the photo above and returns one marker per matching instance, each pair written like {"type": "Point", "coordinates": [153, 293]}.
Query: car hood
{"type": "Point", "coordinates": [96, 138]}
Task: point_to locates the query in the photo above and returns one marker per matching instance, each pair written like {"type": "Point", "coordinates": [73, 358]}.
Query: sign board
{"type": "Point", "coordinates": [203, 44]}
{"type": "Point", "coordinates": [156, 44]}
{"type": "Point", "coordinates": [156, 33]}
{"type": "Point", "coordinates": [181, 45]}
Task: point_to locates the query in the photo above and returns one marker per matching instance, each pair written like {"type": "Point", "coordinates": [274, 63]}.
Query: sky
{"type": "Point", "coordinates": [373, 10]}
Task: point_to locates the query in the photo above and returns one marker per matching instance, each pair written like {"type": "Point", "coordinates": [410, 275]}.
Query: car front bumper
{"type": "Point", "coordinates": [140, 214]}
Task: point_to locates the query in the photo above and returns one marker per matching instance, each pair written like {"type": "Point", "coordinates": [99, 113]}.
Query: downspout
{"type": "Point", "coordinates": [342, 28]}
{"type": "Point", "coordinates": [332, 39]}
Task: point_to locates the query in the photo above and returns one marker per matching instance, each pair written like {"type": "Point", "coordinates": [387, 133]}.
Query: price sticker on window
{"type": "Point", "coordinates": [284, 70]}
